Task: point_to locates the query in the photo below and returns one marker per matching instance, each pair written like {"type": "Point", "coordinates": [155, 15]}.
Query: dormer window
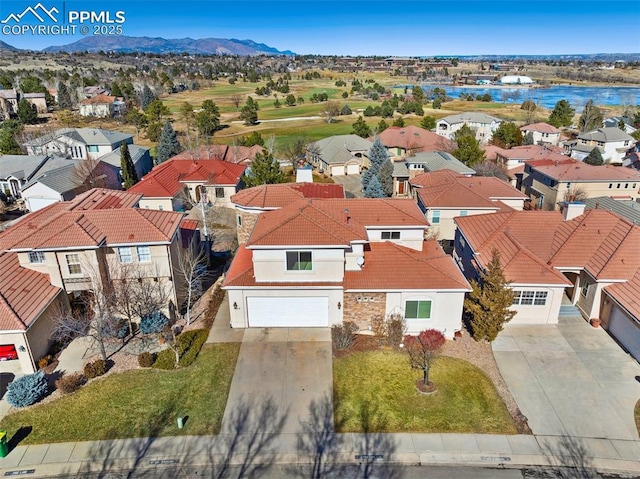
{"type": "Point", "coordinates": [299, 261]}
{"type": "Point", "coordinates": [36, 257]}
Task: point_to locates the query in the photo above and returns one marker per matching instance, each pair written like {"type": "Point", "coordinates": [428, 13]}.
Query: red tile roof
{"type": "Point", "coordinates": [101, 99]}
{"type": "Point", "coordinates": [533, 152]}
{"type": "Point", "coordinates": [281, 195]}
{"type": "Point", "coordinates": [102, 198]}
{"type": "Point", "coordinates": [415, 139]}
{"type": "Point", "coordinates": [324, 221]}
{"type": "Point", "coordinates": [573, 170]}
{"type": "Point", "coordinates": [540, 127]}
{"type": "Point", "coordinates": [627, 294]}
{"type": "Point", "coordinates": [230, 154]}
{"type": "Point", "coordinates": [447, 189]}
{"type": "Point", "coordinates": [389, 266]}
{"type": "Point", "coordinates": [168, 178]}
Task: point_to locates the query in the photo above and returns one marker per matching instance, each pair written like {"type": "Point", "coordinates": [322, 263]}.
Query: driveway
{"type": "Point", "coordinates": [352, 185]}
{"type": "Point", "coordinates": [9, 371]}
{"type": "Point", "coordinates": [279, 373]}
{"type": "Point", "coordinates": [570, 378]}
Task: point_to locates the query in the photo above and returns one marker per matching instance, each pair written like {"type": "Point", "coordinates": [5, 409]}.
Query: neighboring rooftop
{"type": "Point", "coordinates": [628, 209]}
{"type": "Point", "coordinates": [113, 157]}
{"type": "Point", "coordinates": [432, 161]}
{"type": "Point", "coordinates": [100, 99]}
{"type": "Point", "coordinates": [606, 135]}
{"type": "Point", "coordinates": [283, 194]}
{"type": "Point", "coordinates": [470, 117]}
{"type": "Point", "coordinates": [338, 149]}
{"type": "Point", "coordinates": [414, 139]}
{"type": "Point", "coordinates": [228, 153]}
{"type": "Point", "coordinates": [88, 136]}
{"type": "Point", "coordinates": [541, 128]}
{"type": "Point", "coordinates": [573, 170]}
{"type": "Point", "coordinates": [532, 152]}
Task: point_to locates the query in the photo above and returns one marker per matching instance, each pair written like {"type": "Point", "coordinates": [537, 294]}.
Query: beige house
{"type": "Point", "coordinates": [482, 124]}
{"type": "Point", "coordinates": [550, 182]}
{"type": "Point", "coordinates": [102, 106]}
{"type": "Point", "coordinates": [340, 154]}
{"type": "Point", "coordinates": [542, 133]}
{"type": "Point", "coordinates": [319, 262]}
{"type": "Point", "coordinates": [37, 100]}
{"type": "Point", "coordinates": [69, 250]}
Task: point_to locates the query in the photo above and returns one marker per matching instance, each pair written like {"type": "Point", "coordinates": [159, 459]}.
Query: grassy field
{"type": "Point", "coordinates": [140, 403]}
{"type": "Point", "coordinates": [382, 384]}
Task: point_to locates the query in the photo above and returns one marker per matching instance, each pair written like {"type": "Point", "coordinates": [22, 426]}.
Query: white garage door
{"type": "Point", "coordinates": [626, 331]}
{"type": "Point", "coordinates": [35, 204]}
{"type": "Point", "coordinates": [353, 169]}
{"type": "Point", "coordinates": [337, 170]}
{"type": "Point", "coordinates": [289, 312]}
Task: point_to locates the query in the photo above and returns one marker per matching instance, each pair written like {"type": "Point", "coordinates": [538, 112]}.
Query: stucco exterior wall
{"type": "Point", "coordinates": [411, 238]}
{"type": "Point", "coordinates": [446, 228]}
{"type": "Point", "coordinates": [271, 266]}
{"type": "Point", "coordinates": [532, 314]}
{"type": "Point", "coordinates": [162, 204]}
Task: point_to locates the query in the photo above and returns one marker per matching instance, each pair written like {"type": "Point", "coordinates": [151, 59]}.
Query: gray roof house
{"type": "Point", "coordinates": [139, 154]}
{"type": "Point", "coordinates": [628, 209]}
{"type": "Point", "coordinates": [340, 154]}
{"type": "Point", "coordinates": [614, 144]}
{"type": "Point", "coordinates": [614, 121]}
{"type": "Point", "coordinates": [484, 125]}
{"type": "Point", "coordinates": [78, 143]}
{"type": "Point", "coordinates": [17, 170]}
{"type": "Point", "coordinates": [424, 162]}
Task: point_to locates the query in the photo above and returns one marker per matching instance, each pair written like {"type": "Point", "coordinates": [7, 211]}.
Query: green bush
{"type": "Point", "coordinates": [27, 390]}
{"type": "Point", "coordinates": [95, 368]}
{"type": "Point", "coordinates": [70, 383]}
{"type": "Point", "coordinates": [146, 359]}
{"type": "Point", "coordinates": [189, 345]}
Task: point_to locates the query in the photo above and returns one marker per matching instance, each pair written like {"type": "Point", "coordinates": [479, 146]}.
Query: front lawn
{"type": "Point", "coordinates": [381, 384]}
{"type": "Point", "coordinates": [140, 403]}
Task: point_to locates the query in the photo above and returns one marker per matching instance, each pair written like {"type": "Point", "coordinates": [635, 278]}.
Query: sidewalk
{"type": "Point", "coordinates": [607, 456]}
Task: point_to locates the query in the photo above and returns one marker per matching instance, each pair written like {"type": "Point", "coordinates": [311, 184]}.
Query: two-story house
{"type": "Point", "coordinates": [315, 263]}
{"type": "Point", "coordinates": [614, 144]}
{"type": "Point", "coordinates": [102, 106]}
{"type": "Point", "coordinates": [482, 124]}
{"type": "Point", "coordinates": [444, 195]}
{"type": "Point", "coordinates": [549, 182]}
{"type": "Point", "coordinates": [78, 143]}
{"type": "Point", "coordinates": [63, 251]}
{"type": "Point", "coordinates": [177, 183]}
{"type": "Point", "coordinates": [542, 133]}
{"type": "Point", "coordinates": [512, 159]}
{"type": "Point", "coordinates": [339, 154]}
{"type": "Point", "coordinates": [407, 141]}
{"type": "Point", "coordinates": [587, 259]}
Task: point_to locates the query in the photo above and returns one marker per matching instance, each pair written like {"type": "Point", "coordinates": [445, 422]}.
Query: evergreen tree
{"type": "Point", "coordinates": [129, 175]}
{"type": "Point", "coordinates": [115, 90]}
{"type": "Point", "coordinates": [156, 111]}
{"type": "Point", "coordinates": [528, 139]}
{"type": "Point", "coordinates": [468, 150]}
{"type": "Point", "coordinates": [622, 125]}
{"type": "Point", "coordinates": [249, 112]}
{"type": "Point", "coordinates": [399, 122]}
{"type": "Point", "coordinates": [417, 93]}
{"type": "Point", "coordinates": [562, 114]}
{"type": "Point", "coordinates": [360, 128]}
{"type": "Point", "coordinates": [591, 117]}
{"type": "Point", "coordinates": [428, 123]}
{"type": "Point", "coordinates": [168, 144]}
{"type": "Point", "coordinates": [381, 168]}
{"type": "Point", "coordinates": [381, 126]}
{"type": "Point", "coordinates": [8, 143]}
{"type": "Point", "coordinates": [64, 97]}
{"type": "Point", "coordinates": [385, 175]}
{"type": "Point", "coordinates": [594, 158]}
{"type": "Point", "coordinates": [146, 97]}
{"type": "Point", "coordinates": [27, 113]}
{"type": "Point", "coordinates": [264, 170]}
{"type": "Point", "coordinates": [507, 135]}
{"type": "Point", "coordinates": [208, 119]}
{"type": "Point", "coordinates": [366, 178]}
{"type": "Point", "coordinates": [489, 301]}
{"type": "Point", "coordinates": [374, 188]}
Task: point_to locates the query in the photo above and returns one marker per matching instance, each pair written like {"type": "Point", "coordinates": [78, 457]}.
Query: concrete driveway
{"type": "Point", "coordinates": [279, 373]}
{"type": "Point", "coordinates": [570, 379]}
{"type": "Point", "coordinates": [352, 185]}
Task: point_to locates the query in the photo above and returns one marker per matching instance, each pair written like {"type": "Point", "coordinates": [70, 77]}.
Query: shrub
{"type": "Point", "coordinates": [27, 390]}
{"type": "Point", "coordinates": [95, 368]}
{"type": "Point", "coordinates": [396, 329]}
{"type": "Point", "coordinates": [343, 335]}
{"type": "Point", "coordinates": [153, 323]}
{"type": "Point", "coordinates": [378, 325]}
{"type": "Point", "coordinates": [70, 383]}
{"type": "Point", "coordinates": [189, 345]}
{"type": "Point", "coordinates": [44, 361]}
{"type": "Point", "coordinates": [146, 359]}
{"type": "Point", "coordinates": [165, 359]}
{"type": "Point", "coordinates": [122, 330]}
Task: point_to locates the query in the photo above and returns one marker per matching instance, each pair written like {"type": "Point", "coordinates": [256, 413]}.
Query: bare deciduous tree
{"type": "Point", "coordinates": [331, 110]}
{"type": "Point", "coordinates": [85, 176]}
{"type": "Point", "coordinates": [191, 269]}
{"type": "Point", "coordinates": [576, 193]}
{"type": "Point", "coordinates": [236, 100]}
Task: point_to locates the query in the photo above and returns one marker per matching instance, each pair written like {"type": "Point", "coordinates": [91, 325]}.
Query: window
{"type": "Point", "coordinates": [435, 217]}
{"type": "Point", "coordinates": [528, 298]}
{"type": "Point", "coordinates": [417, 309]}
{"type": "Point", "coordinates": [219, 192]}
{"type": "Point", "coordinates": [160, 207]}
{"type": "Point", "coordinates": [390, 235]}
{"type": "Point", "coordinates": [124, 255]}
{"type": "Point", "coordinates": [144, 254]}
{"type": "Point", "coordinates": [239, 220]}
{"type": "Point", "coordinates": [92, 148]}
{"type": "Point", "coordinates": [584, 289]}
{"type": "Point", "coordinates": [618, 186]}
{"type": "Point", "coordinates": [463, 213]}
{"type": "Point", "coordinates": [73, 264]}
{"type": "Point", "coordinates": [36, 257]}
{"type": "Point", "coordinates": [610, 185]}
{"type": "Point", "coordinates": [299, 261]}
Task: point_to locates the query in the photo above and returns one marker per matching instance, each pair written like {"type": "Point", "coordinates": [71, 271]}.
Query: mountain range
{"type": "Point", "coordinates": [203, 46]}
{"type": "Point", "coordinates": [6, 46]}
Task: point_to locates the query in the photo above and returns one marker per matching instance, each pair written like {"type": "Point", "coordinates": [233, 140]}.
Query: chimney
{"type": "Point", "coordinates": [346, 216]}
{"type": "Point", "coordinates": [572, 209]}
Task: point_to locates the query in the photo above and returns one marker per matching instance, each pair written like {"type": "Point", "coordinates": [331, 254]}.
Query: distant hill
{"type": "Point", "coordinates": [203, 46]}
{"type": "Point", "coordinates": [6, 46]}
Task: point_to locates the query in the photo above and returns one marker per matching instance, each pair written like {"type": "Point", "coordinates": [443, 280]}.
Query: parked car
{"type": "Point", "coordinates": [7, 352]}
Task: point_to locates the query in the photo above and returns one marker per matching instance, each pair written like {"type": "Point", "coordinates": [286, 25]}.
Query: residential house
{"type": "Point", "coordinates": [178, 183]}
{"type": "Point", "coordinates": [324, 261]}
{"type": "Point", "coordinates": [482, 124]}
{"type": "Point", "coordinates": [614, 144]}
{"type": "Point", "coordinates": [37, 100]}
{"type": "Point", "coordinates": [140, 156]}
{"type": "Point", "coordinates": [102, 106]}
{"type": "Point", "coordinates": [78, 143]}
{"type": "Point", "coordinates": [542, 133]}
{"type": "Point", "coordinates": [407, 141]}
{"type": "Point", "coordinates": [60, 253]}
{"type": "Point", "coordinates": [92, 91]}
{"type": "Point", "coordinates": [340, 154]}
{"type": "Point", "coordinates": [17, 170]}
{"type": "Point", "coordinates": [549, 182]}
{"type": "Point", "coordinates": [229, 153]}
{"type": "Point", "coordinates": [444, 195]}
{"type": "Point", "coordinates": [586, 259]}
{"type": "Point", "coordinates": [512, 159]}
{"type": "Point", "coordinates": [66, 182]}
{"type": "Point", "coordinates": [627, 209]}
{"type": "Point", "coordinates": [614, 122]}
{"type": "Point", "coordinates": [252, 202]}
{"type": "Point", "coordinates": [8, 102]}
{"type": "Point", "coordinates": [424, 162]}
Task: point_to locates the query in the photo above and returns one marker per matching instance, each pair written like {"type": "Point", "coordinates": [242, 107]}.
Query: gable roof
{"type": "Point", "coordinates": [439, 160]}
{"type": "Point", "coordinates": [338, 149]}
{"type": "Point", "coordinates": [21, 167]}
{"type": "Point", "coordinates": [541, 128]}
{"type": "Point", "coordinates": [103, 199]}
{"type": "Point", "coordinates": [414, 138]}
{"type": "Point", "coordinates": [136, 152]}
{"type": "Point", "coordinates": [327, 222]}
{"type": "Point", "coordinates": [532, 152]}
{"type": "Point", "coordinates": [628, 209]}
{"type": "Point", "coordinates": [228, 153]}
{"type": "Point", "coordinates": [608, 134]}
{"type": "Point", "coordinates": [446, 189]}
{"type": "Point", "coordinates": [470, 117]}
{"type": "Point", "coordinates": [60, 180]}
{"type": "Point", "coordinates": [573, 170]}
{"type": "Point", "coordinates": [88, 136]}
{"type": "Point", "coordinates": [283, 194]}
{"type": "Point", "coordinates": [168, 178]}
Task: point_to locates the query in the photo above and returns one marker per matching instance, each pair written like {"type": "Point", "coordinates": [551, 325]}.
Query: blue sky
{"type": "Point", "coordinates": [417, 27]}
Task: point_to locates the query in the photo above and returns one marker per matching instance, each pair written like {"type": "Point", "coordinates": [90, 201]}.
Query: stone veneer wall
{"type": "Point", "coordinates": [248, 222]}
{"type": "Point", "coordinates": [361, 312]}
